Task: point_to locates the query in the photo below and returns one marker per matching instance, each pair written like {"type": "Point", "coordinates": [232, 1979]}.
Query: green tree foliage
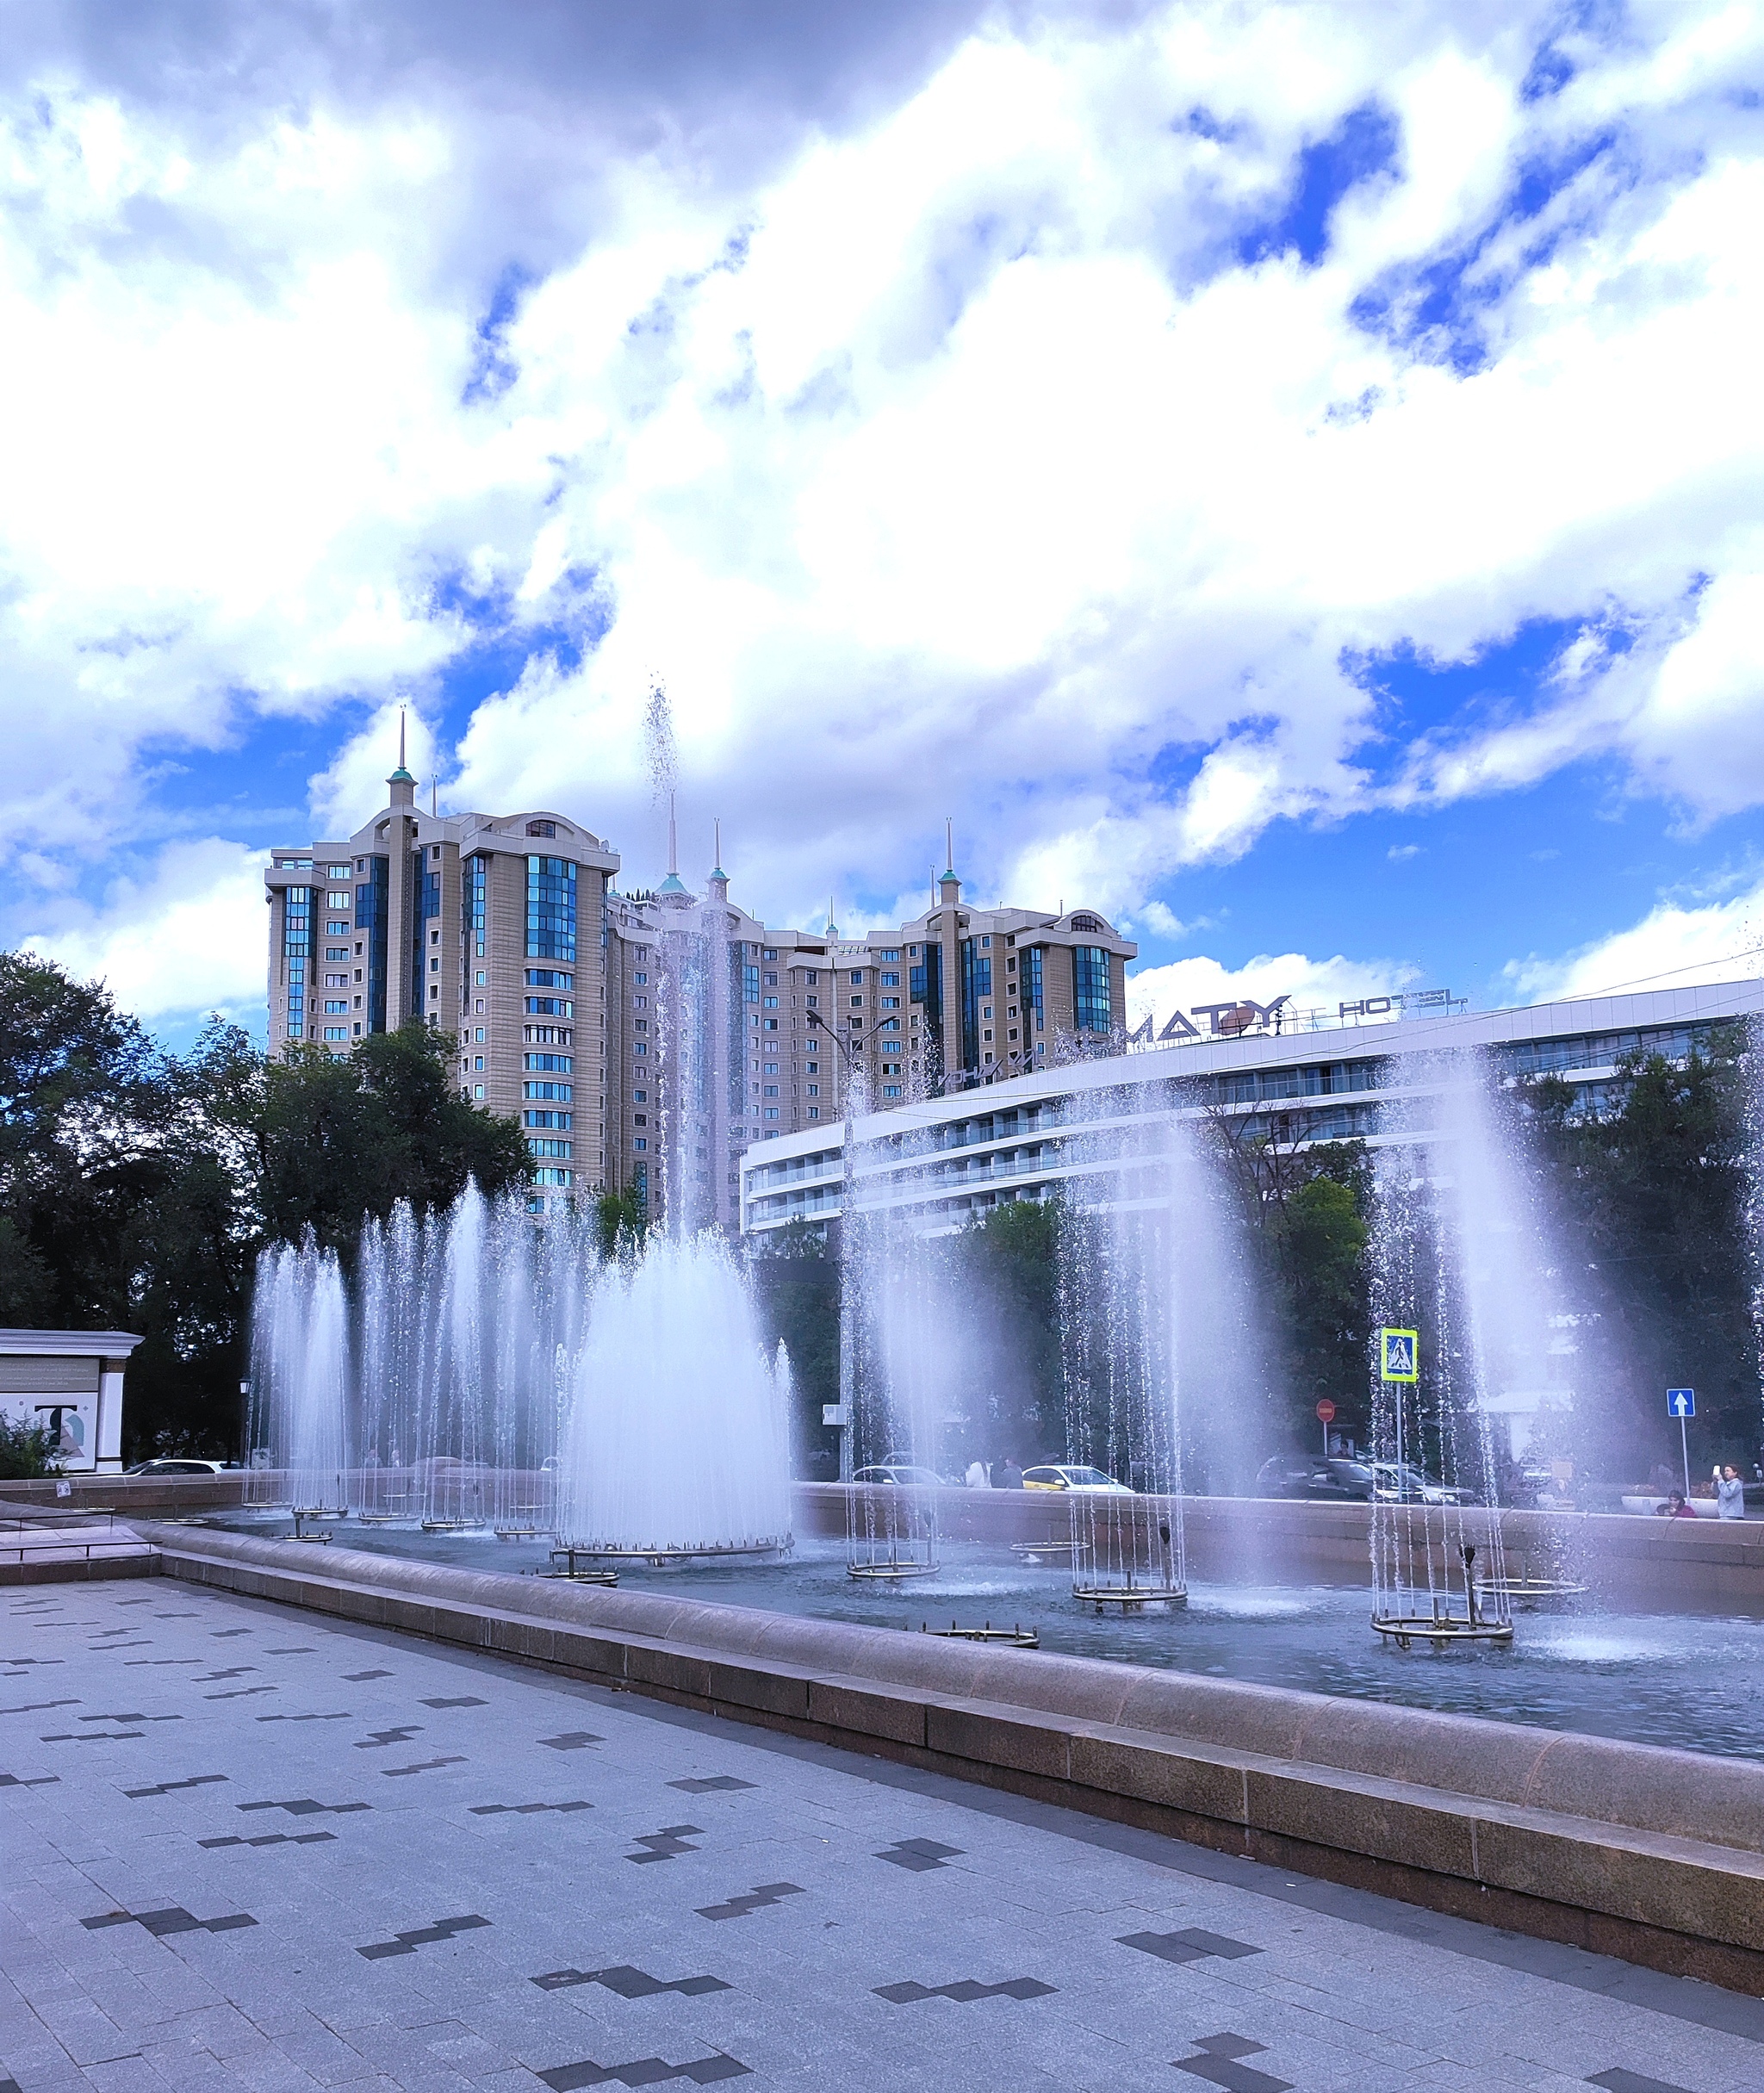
{"type": "Point", "coordinates": [137, 1187]}
{"type": "Point", "coordinates": [621, 1221]}
{"type": "Point", "coordinates": [797, 1286]}
{"type": "Point", "coordinates": [1653, 1191]}
{"type": "Point", "coordinates": [342, 1136]}
{"type": "Point", "coordinates": [1006, 1268]}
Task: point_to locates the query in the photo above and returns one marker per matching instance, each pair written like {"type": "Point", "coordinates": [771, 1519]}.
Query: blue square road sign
{"type": "Point", "coordinates": [1680, 1402]}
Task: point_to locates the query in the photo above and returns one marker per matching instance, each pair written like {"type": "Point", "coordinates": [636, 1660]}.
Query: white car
{"type": "Point", "coordinates": [179, 1466]}
{"type": "Point", "coordinates": [1091, 1479]}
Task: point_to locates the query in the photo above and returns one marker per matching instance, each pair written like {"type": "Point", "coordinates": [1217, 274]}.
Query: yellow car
{"type": "Point", "coordinates": [1066, 1478]}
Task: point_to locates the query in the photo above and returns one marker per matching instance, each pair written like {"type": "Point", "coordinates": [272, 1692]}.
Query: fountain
{"type": "Point", "coordinates": [1155, 1309]}
{"type": "Point", "coordinates": [301, 1374]}
{"type": "Point", "coordinates": [1462, 1293]}
{"type": "Point", "coordinates": [676, 1441]}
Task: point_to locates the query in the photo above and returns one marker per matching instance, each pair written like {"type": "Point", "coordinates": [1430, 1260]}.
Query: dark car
{"type": "Point", "coordinates": [1292, 1476]}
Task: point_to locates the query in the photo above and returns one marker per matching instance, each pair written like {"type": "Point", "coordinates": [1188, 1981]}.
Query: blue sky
{"type": "Point", "coordinates": [1286, 475]}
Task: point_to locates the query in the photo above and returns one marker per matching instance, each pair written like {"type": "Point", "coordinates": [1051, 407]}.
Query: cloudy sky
{"type": "Point", "coordinates": [1286, 475]}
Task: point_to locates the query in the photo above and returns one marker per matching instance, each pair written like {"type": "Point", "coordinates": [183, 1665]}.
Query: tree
{"type": "Point", "coordinates": [1654, 1195]}
{"type": "Point", "coordinates": [341, 1136]}
{"type": "Point", "coordinates": [1007, 1264]}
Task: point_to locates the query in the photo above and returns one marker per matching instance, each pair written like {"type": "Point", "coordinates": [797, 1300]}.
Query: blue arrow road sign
{"type": "Point", "coordinates": [1680, 1402]}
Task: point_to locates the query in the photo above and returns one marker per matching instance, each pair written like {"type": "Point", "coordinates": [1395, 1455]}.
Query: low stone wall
{"type": "Point", "coordinates": [1625, 1849]}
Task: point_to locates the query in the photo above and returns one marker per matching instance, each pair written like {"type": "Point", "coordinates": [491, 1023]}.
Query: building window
{"type": "Point", "coordinates": [641, 980]}
{"type": "Point", "coordinates": [892, 953]}
{"type": "Point", "coordinates": [1090, 983]}
{"type": "Point", "coordinates": [549, 1064]}
{"type": "Point", "coordinates": [548, 1006]}
{"type": "Point", "coordinates": [814, 1089]}
{"type": "Point", "coordinates": [640, 1097]}
{"type": "Point", "coordinates": [544, 976]}
{"type": "Point", "coordinates": [1086, 922]}
{"type": "Point", "coordinates": [475, 887]}
{"type": "Point", "coordinates": [810, 976]}
{"type": "Point", "coordinates": [337, 1032]}
{"type": "Point", "coordinates": [890, 1003]}
{"type": "Point", "coordinates": [857, 977]}
{"type": "Point", "coordinates": [857, 1003]}
{"type": "Point", "coordinates": [477, 1063]}
{"type": "Point", "coordinates": [771, 1002]}
{"type": "Point", "coordinates": [1032, 981]}
{"type": "Point", "coordinates": [750, 983]}
{"type": "Point", "coordinates": [771, 1111]}
{"type": "Point", "coordinates": [813, 1068]}
{"type": "Point", "coordinates": [770, 981]}
{"type": "Point", "coordinates": [538, 828]}
{"type": "Point", "coordinates": [891, 1089]}
{"type": "Point", "coordinates": [770, 954]}
{"type": "Point", "coordinates": [551, 919]}
{"type": "Point", "coordinates": [814, 1111]}
{"type": "Point", "coordinates": [337, 1008]}
{"type": "Point", "coordinates": [771, 1024]}
{"type": "Point", "coordinates": [642, 1141]}
{"type": "Point", "coordinates": [477, 1089]}
{"type": "Point", "coordinates": [560, 1090]}
{"type": "Point", "coordinates": [549, 1148]}
{"type": "Point", "coordinates": [771, 1090]}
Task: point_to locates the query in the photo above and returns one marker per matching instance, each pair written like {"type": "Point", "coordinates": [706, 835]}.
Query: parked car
{"type": "Point", "coordinates": [1293, 1475]}
{"type": "Point", "coordinates": [181, 1466]}
{"type": "Point", "coordinates": [904, 1475]}
{"type": "Point", "coordinates": [1063, 1477]}
{"type": "Point", "coordinates": [1401, 1482]}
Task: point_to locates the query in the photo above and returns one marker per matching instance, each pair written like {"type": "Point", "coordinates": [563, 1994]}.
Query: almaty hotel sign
{"type": "Point", "coordinates": [1232, 1020]}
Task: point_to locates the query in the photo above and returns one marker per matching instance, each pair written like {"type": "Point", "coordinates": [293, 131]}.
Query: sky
{"type": "Point", "coordinates": [1287, 476]}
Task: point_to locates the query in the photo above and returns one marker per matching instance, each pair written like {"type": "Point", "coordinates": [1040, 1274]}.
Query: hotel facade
{"type": "Point", "coordinates": [565, 995]}
{"type": "Point", "coordinates": [1369, 1075]}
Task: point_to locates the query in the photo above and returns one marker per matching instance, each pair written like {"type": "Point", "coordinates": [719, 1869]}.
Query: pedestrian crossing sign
{"type": "Point", "coordinates": [1399, 1355]}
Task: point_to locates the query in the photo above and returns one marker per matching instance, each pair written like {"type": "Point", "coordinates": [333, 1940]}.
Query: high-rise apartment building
{"type": "Point", "coordinates": [650, 1039]}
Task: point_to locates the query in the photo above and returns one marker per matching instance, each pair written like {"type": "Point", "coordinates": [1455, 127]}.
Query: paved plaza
{"type": "Point", "coordinates": [246, 1848]}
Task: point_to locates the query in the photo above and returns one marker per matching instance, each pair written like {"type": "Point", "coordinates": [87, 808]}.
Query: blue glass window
{"type": "Point", "coordinates": [1090, 965]}
{"type": "Point", "coordinates": [551, 885]}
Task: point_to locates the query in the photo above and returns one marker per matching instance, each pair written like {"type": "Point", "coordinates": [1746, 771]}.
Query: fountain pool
{"type": "Point", "coordinates": [1695, 1682]}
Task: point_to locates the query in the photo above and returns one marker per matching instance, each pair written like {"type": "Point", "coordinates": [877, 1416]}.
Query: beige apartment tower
{"type": "Point", "coordinates": [506, 930]}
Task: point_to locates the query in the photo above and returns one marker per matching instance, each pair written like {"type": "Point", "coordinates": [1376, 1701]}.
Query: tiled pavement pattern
{"type": "Point", "coordinates": [478, 1926]}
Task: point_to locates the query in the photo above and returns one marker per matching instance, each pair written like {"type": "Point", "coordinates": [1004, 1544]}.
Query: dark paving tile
{"type": "Point", "coordinates": [42, 1780]}
{"type": "Point", "coordinates": [572, 1740]}
{"type": "Point", "coordinates": [755, 1900]}
{"type": "Point", "coordinates": [465, 1700]}
{"type": "Point", "coordinates": [964, 1992]}
{"type": "Point", "coordinates": [919, 1854]}
{"type": "Point", "coordinates": [358, 1677]}
{"type": "Point", "coordinates": [1192, 1944]}
{"type": "Point", "coordinates": [376, 1739]}
{"type": "Point", "coordinates": [341, 1715]}
{"type": "Point", "coordinates": [1218, 2064]}
{"type": "Point", "coordinates": [720, 1784]}
{"type": "Point", "coordinates": [274, 1838]}
{"type": "Point", "coordinates": [242, 1692]}
{"type": "Point", "coordinates": [525, 1809]}
{"type": "Point", "coordinates": [36, 1707]}
{"type": "Point", "coordinates": [299, 1650]}
{"type": "Point", "coordinates": [176, 1919]}
{"type": "Point", "coordinates": [667, 1844]}
{"type": "Point", "coordinates": [168, 1788]}
{"type": "Point", "coordinates": [306, 1807]}
{"type": "Point", "coordinates": [422, 1766]}
{"type": "Point", "coordinates": [93, 1736]}
{"type": "Point", "coordinates": [421, 1936]}
{"type": "Point", "coordinates": [629, 1983]}
{"type": "Point", "coordinates": [1617, 2080]}
{"type": "Point", "coordinates": [645, 2072]}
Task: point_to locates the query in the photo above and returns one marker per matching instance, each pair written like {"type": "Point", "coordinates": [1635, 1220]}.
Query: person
{"type": "Point", "coordinates": [1010, 1476]}
{"type": "Point", "coordinates": [1729, 1492]}
{"type": "Point", "coordinates": [1675, 1507]}
{"type": "Point", "coordinates": [977, 1479]}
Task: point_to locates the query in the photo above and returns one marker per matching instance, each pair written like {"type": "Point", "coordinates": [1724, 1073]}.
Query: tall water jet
{"type": "Point", "coordinates": [1459, 1316]}
{"type": "Point", "coordinates": [676, 1439]}
{"type": "Point", "coordinates": [300, 1380]}
{"type": "Point", "coordinates": [1152, 1312]}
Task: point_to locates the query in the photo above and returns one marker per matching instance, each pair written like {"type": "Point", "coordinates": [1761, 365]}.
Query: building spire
{"type": "Point", "coordinates": [949, 847]}
{"type": "Point", "coordinates": [672, 842]}
{"type": "Point", "coordinates": [949, 887]}
{"type": "Point", "coordinates": [404, 786]}
{"type": "Point", "coordinates": [832, 928]}
{"type": "Point", "coordinates": [718, 881]}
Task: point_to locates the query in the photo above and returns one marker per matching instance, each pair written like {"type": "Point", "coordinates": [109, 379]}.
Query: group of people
{"type": "Point", "coordinates": [1729, 1498]}
{"type": "Point", "coordinates": [1004, 1475]}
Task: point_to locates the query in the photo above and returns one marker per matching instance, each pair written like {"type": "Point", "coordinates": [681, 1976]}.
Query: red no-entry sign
{"type": "Point", "coordinates": [1325, 1410]}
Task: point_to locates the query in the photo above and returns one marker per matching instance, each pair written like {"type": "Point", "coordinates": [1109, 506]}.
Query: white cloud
{"type": "Point", "coordinates": [1676, 945]}
{"type": "Point", "coordinates": [950, 463]}
{"type": "Point", "coordinates": [189, 938]}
